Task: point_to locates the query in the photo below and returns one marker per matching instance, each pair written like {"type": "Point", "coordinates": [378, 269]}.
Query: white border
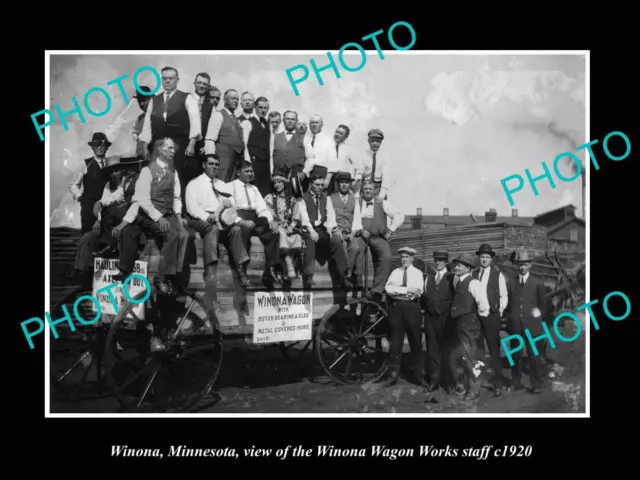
{"type": "Point", "coordinates": [587, 215]}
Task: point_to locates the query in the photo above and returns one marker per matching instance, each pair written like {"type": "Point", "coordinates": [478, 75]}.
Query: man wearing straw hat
{"type": "Point", "coordinates": [404, 288]}
{"type": "Point", "coordinates": [468, 307]}
{"type": "Point", "coordinates": [526, 310]}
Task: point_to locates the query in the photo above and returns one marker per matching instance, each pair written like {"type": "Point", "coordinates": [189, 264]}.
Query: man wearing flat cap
{"type": "Point", "coordinates": [377, 165]}
{"type": "Point", "coordinates": [526, 310]}
{"type": "Point", "coordinates": [496, 286]}
{"type": "Point", "coordinates": [468, 307]}
{"type": "Point", "coordinates": [404, 288]}
{"type": "Point", "coordinates": [437, 298]}
{"type": "Point", "coordinates": [89, 186]}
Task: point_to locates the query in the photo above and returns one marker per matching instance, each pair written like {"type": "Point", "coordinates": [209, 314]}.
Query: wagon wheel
{"type": "Point", "coordinates": [175, 379]}
{"type": "Point", "coordinates": [348, 342]}
{"type": "Point", "coordinates": [300, 353]}
{"type": "Point", "coordinates": [76, 369]}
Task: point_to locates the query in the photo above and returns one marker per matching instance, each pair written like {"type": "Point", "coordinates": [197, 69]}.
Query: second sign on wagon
{"type": "Point", "coordinates": [282, 316]}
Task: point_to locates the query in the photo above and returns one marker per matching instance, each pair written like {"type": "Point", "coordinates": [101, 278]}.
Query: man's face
{"type": "Point", "coordinates": [460, 269]}
{"type": "Point", "coordinates": [215, 96]}
{"type": "Point", "coordinates": [100, 149]}
{"type": "Point", "coordinates": [143, 102]}
{"type": "Point", "coordinates": [275, 123]}
{"type": "Point", "coordinates": [315, 124]}
{"type": "Point", "coordinates": [246, 174]}
{"type": "Point", "coordinates": [169, 80]}
{"type": "Point", "coordinates": [116, 175]}
{"type": "Point", "coordinates": [317, 186]}
{"type": "Point", "coordinates": [340, 136]}
{"type": "Point", "coordinates": [406, 259]}
{"type": "Point", "coordinates": [290, 121]}
{"type": "Point", "coordinates": [344, 186]}
{"type": "Point", "coordinates": [441, 264]}
{"type": "Point", "coordinates": [168, 150]}
{"type": "Point", "coordinates": [374, 143]}
{"type": "Point", "coordinates": [301, 127]}
{"type": "Point", "coordinates": [524, 267]}
{"type": "Point", "coordinates": [262, 109]}
{"type": "Point", "coordinates": [247, 102]}
{"type": "Point", "coordinates": [231, 101]}
{"type": "Point", "coordinates": [202, 85]}
{"type": "Point", "coordinates": [485, 260]}
{"type": "Point", "coordinates": [367, 192]}
{"type": "Point", "coordinates": [211, 166]}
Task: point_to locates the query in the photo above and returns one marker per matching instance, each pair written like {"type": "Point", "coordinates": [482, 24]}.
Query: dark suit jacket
{"type": "Point", "coordinates": [521, 302]}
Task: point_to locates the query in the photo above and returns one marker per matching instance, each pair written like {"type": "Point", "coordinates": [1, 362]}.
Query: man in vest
{"type": "Point", "coordinates": [377, 164]}
{"type": "Point", "coordinates": [172, 114]}
{"type": "Point", "coordinates": [495, 284]}
{"type": "Point", "coordinates": [379, 220]}
{"type": "Point", "coordinates": [436, 299]}
{"type": "Point", "coordinates": [225, 137]}
{"type": "Point", "coordinates": [290, 152]}
{"type": "Point", "coordinates": [347, 210]}
{"type": "Point", "coordinates": [193, 166]}
{"type": "Point", "coordinates": [468, 308]}
{"type": "Point", "coordinates": [322, 241]}
{"type": "Point", "coordinates": [257, 134]}
{"type": "Point", "coordinates": [89, 186]}
{"type": "Point", "coordinates": [157, 192]}
{"type": "Point", "coordinates": [404, 288]}
{"type": "Point", "coordinates": [526, 310]}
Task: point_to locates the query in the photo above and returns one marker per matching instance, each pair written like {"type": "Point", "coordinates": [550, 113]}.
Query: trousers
{"type": "Point", "coordinates": [405, 318]}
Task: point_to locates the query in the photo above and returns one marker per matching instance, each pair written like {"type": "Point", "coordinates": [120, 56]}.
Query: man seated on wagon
{"type": "Point", "coordinates": [157, 192]}
{"type": "Point", "coordinates": [206, 196]}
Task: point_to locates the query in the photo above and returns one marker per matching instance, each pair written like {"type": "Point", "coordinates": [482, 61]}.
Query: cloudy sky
{"type": "Point", "coordinates": [454, 124]}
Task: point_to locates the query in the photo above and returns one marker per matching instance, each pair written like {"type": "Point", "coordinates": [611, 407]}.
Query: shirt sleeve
{"type": "Point", "coordinates": [356, 226]}
{"type": "Point", "coordinates": [394, 284]}
{"type": "Point", "coordinates": [397, 218]}
{"type": "Point", "coordinates": [195, 124]}
{"type": "Point", "coordinates": [131, 214]}
{"type": "Point", "coordinates": [193, 205]}
{"type": "Point", "coordinates": [331, 222]}
{"type": "Point", "coordinates": [76, 187]}
{"type": "Point", "coordinates": [479, 293]}
{"type": "Point", "coordinates": [504, 293]}
{"type": "Point", "coordinates": [213, 130]}
{"type": "Point", "coordinates": [358, 164]}
{"type": "Point", "coordinates": [142, 195]}
{"type": "Point", "coordinates": [310, 159]}
{"type": "Point", "coordinates": [145, 134]}
{"type": "Point", "coordinates": [246, 131]}
{"type": "Point", "coordinates": [261, 207]}
{"type": "Point", "coordinates": [386, 176]}
{"type": "Point", "coordinates": [304, 215]}
{"type": "Point", "coordinates": [177, 196]}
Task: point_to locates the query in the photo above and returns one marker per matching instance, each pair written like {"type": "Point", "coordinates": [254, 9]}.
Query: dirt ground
{"type": "Point", "coordinates": [261, 380]}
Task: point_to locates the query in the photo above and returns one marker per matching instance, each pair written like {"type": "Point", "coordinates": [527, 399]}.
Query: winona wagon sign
{"type": "Point", "coordinates": [282, 317]}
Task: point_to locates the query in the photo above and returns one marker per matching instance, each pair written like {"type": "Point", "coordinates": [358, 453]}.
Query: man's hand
{"type": "Point", "coordinates": [340, 234]}
{"type": "Point", "coordinates": [303, 176]}
{"type": "Point", "coordinates": [365, 234]}
{"type": "Point", "coordinates": [143, 150]}
{"type": "Point", "coordinates": [203, 151]}
{"type": "Point", "coordinates": [191, 148]}
{"type": "Point", "coordinates": [96, 208]}
{"type": "Point", "coordinates": [387, 235]}
{"type": "Point", "coordinates": [164, 224]}
{"type": "Point", "coordinates": [227, 203]}
{"type": "Point", "coordinates": [413, 291]}
{"type": "Point", "coordinates": [212, 219]}
{"type": "Point", "coordinates": [183, 221]}
{"type": "Point", "coordinates": [115, 233]}
{"type": "Point", "coordinates": [247, 223]}
{"type": "Point", "coordinates": [289, 230]}
{"type": "Point", "coordinates": [314, 236]}
{"type": "Point", "coordinates": [351, 237]}
{"type": "Point", "coordinates": [273, 226]}
{"type": "Point", "coordinates": [96, 225]}
{"type": "Point", "coordinates": [379, 198]}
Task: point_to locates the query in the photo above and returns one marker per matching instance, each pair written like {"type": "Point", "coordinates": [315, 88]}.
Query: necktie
{"type": "Point", "coordinates": [404, 278]}
{"type": "Point", "coordinates": [373, 168]}
{"type": "Point", "coordinates": [438, 278]}
{"type": "Point", "coordinates": [166, 106]}
{"type": "Point", "coordinates": [337, 150]}
{"type": "Point", "coordinates": [481, 273]}
{"type": "Point", "coordinates": [522, 281]}
{"type": "Point", "coordinates": [313, 141]}
{"type": "Point", "coordinates": [246, 190]}
{"type": "Point", "coordinates": [200, 102]}
{"type": "Point", "coordinates": [317, 200]}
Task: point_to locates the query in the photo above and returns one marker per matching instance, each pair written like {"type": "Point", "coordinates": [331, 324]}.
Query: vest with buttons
{"type": "Point", "coordinates": [231, 132]}
{"type": "Point", "coordinates": [493, 287]}
{"type": "Point", "coordinates": [92, 184]}
{"type": "Point", "coordinates": [162, 188]}
{"type": "Point", "coordinates": [259, 139]}
{"type": "Point", "coordinates": [177, 123]}
{"type": "Point", "coordinates": [312, 209]}
{"type": "Point", "coordinates": [288, 153]}
{"type": "Point", "coordinates": [344, 212]}
{"type": "Point", "coordinates": [439, 296]}
{"type": "Point", "coordinates": [377, 225]}
{"type": "Point", "coordinates": [463, 302]}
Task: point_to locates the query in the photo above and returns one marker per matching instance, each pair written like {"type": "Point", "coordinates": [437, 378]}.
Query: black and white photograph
{"type": "Point", "coordinates": [227, 239]}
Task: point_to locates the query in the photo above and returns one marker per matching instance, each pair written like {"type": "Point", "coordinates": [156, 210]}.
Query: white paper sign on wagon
{"type": "Point", "coordinates": [282, 316]}
{"type": "Point", "coordinates": [104, 269]}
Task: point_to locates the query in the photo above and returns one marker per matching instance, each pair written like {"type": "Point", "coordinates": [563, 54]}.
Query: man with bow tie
{"type": "Point", "coordinates": [157, 193]}
{"type": "Point", "coordinates": [379, 220]}
{"type": "Point", "coordinates": [436, 299]}
{"type": "Point", "coordinates": [494, 282]}
{"type": "Point", "coordinates": [257, 136]}
{"type": "Point", "coordinates": [526, 310]}
{"type": "Point", "coordinates": [290, 152]}
{"type": "Point", "coordinates": [172, 114]}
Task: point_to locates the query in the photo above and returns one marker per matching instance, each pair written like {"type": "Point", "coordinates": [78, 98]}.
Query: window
{"type": "Point", "coordinates": [573, 234]}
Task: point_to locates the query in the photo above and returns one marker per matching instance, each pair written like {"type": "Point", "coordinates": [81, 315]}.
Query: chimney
{"type": "Point", "coordinates": [445, 212]}
{"type": "Point", "coordinates": [570, 211]}
{"type": "Point", "coordinates": [514, 212]}
{"type": "Point", "coordinates": [416, 221]}
{"type": "Point", "coordinates": [491, 215]}
{"type": "Point", "coordinates": [419, 212]}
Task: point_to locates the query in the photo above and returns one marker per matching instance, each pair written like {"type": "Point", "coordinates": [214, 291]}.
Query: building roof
{"type": "Point", "coordinates": [551, 229]}
{"type": "Point", "coordinates": [466, 220]}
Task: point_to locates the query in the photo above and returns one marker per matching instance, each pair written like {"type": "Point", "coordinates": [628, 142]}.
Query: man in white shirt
{"type": "Point", "coordinates": [468, 309]}
{"type": "Point", "coordinates": [344, 159]}
{"type": "Point", "coordinates": [379, 220]}
{"type": "Point", "coordinates": [377, 164]}
{"type": "Point", "coordinates": [172, 114]}
{"type": "Point", "coordinates": [205, 198]}
{"type": "Point", "coordinates": [157, 192]}
{"type": "Point", "coordinates": [404, 288]}
{"type": "Point", "coordinates": [321, 145]}
{"type": "Point", "coordinates": [322, 243]}
{"type": "Point", "coordinates": [496, 286]}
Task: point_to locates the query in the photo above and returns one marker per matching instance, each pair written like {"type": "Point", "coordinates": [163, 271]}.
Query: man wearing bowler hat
{"type": "Point", "coordinates": [89, 186]}
{"type": "Point", "coordinates": [404, 288]}
{"type": "Point", "coordinates": [436, 299]}
{"type": "Point", "coordinates": [496, 286]}
{"type": "Point", "coordinates": [377, 165]}
{"type": "Point", "coordinates": [206, 197]}
{"type": "Point", "coordinates": [468, 307]}
{"type": "Point", "coordinates": [526, 310]}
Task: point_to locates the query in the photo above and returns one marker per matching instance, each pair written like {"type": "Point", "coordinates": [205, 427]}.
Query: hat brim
{"type": "Point", "coordinates": [296, 186]}
{"type": "Point", "coordinates": [480, 252]}
{"type": "Point", "coordinates": [279, 177]}
{"type": "Point", "coordinates": [106, 142]}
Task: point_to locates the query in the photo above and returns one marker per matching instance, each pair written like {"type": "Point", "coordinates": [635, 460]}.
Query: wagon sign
{"type": "Point", "coordinates": [104, 269]}
{"type": "Point", "coordinates": [282, 316]}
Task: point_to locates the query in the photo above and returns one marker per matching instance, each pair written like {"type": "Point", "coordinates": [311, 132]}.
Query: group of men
{"type": "Point", "coordinates": [463, 308]}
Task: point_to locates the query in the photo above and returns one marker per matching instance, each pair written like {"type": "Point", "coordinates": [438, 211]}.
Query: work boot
{"type": "Point", "coordinates": [392, 378]}
{"type": "Point", "coordinates": [242, 276]}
